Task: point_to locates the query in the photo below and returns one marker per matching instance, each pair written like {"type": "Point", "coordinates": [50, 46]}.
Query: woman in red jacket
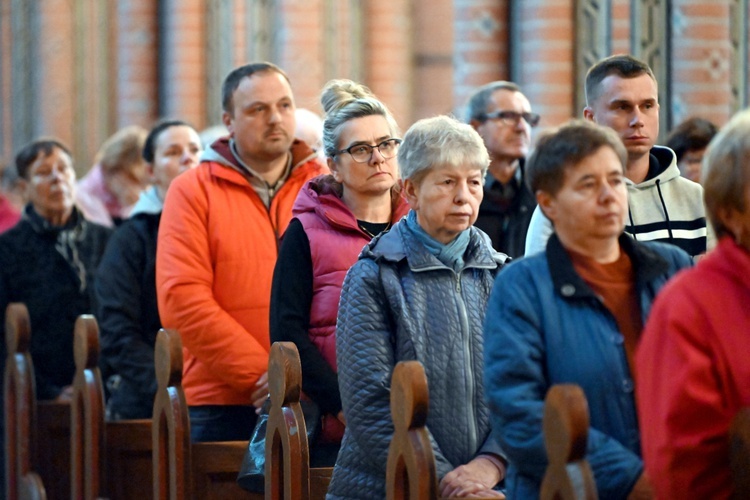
{"type": "Point", "coordinates": [334, 217]}
{"type": "Point", "coordinates": [692, 363]}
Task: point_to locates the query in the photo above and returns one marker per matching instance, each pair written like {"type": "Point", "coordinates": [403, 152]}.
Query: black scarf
{"type": "Point", "coordinates": [66, 238]}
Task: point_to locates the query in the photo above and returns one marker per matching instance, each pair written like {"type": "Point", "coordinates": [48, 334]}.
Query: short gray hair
{"type": "Point", "coordinates": [726, 171]}
{"type": "Point", "coordinates": [476, 107]}
{"type": "Point", "coordinates": [439, 141]}
{"type": "Point", "coordinates": [345, 100]}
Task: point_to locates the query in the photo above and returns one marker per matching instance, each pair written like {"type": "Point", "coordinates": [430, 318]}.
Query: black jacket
{"type": "Point", "coordinates": [35, 272]}
{"type": "Point", "coordinates": [506, 222]}
{"type": "Point", "coordinates": [128, 315]}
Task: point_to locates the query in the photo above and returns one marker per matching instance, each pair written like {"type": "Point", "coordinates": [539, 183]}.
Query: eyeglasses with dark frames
{"type": "Point", "coordinates": [512, 117]}
{"type": "Point", "coordinates": [361, 153]}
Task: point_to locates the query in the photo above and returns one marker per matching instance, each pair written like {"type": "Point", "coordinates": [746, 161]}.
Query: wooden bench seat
{"type": "Point", "coordinates": [182, 470]}
{"type": "Point", "coordinates": [105, 456]}
{"type": "Point", "coordinates": [288, 473]}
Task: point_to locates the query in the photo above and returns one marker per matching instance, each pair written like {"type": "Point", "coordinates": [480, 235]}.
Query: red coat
{"type": "Point", "coordinates": [694, 375]}
{"type": "Point", "coordinates": [216, 252]}
{"type": "Point", "coordinates": [335, 243]}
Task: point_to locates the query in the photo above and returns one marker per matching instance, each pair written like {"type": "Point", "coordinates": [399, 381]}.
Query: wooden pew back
{"type": "Point", "coordinates": [566, 424]}
{"type": "Point", "coordinates": [105, 456]}
{"type": "Point", "coordinates": [287, 472]}
{"type": "Point", "coordinates": [171, 423]}
{"type": "Point", "coordinates": [87, 413]}
{"type": "Point", "coordinates": [182, 470]}
{"type": "Point", "coordinates": [19, 408]}
{"type": "Point", "coordinates": [411, 469]}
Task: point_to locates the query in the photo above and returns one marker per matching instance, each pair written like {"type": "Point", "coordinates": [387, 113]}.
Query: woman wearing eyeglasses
{"type": "Point", "coordinates": [419, 293]}
{"type": "Point", "coordinates": [334, 217]}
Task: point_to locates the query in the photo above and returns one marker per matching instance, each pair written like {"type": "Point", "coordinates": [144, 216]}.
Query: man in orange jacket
{"type": "Point", "coordinates": [217, 247]}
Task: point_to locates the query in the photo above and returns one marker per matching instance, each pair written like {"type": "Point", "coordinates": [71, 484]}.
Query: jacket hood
{"type": "Point", "coordinates": [398, 244]}
{"type": "Point", "coordinates": [662, 160]}
{"type": "Point", "coordinates": [322, 195]}
{"type": "Point", "coordinates": [148, 203]}
{"type": "Point", "coordinates": [221, 152]}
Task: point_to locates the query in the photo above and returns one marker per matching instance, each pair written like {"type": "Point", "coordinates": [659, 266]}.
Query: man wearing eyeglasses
{"type": "Point", "coordinates": [622, 94]}
{"type": "Point", "coordinates": [217, 248]}
{"type": "Point", "coordinates": [502, 116]}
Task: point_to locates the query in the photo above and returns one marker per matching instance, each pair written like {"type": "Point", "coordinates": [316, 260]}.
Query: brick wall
{"type": "Point", "coordinates": [388, 58]}
{"type": "Point", "coordinates": [102, 65]}
{"type": "Point", "coordinates": [546, 58]}
{"type": "Point", "coordinates": [701, 61]}
{"type": "Point", "coordinates": [136, 82]}
{"type": "Point", "coordinates": [480, 50]}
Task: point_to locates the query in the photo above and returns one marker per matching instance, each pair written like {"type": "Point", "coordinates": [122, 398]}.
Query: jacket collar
{"type": "Point", "coordinates": [647, 264]}
{"type": "Point", "coordinates": [219, 155]}
{"type": "Point", "coordinates": [399, 244]}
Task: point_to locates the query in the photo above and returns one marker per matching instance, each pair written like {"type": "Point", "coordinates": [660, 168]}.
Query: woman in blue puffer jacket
{"type": "Point", "coordinates": [419, 292]}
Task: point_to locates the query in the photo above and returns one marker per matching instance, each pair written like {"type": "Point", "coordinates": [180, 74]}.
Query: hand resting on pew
{"type": "Point", "coordinates": [476, 478]}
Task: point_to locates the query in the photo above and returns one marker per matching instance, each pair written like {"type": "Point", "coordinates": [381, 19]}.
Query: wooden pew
{"type": "Point", "coordinates": [288, 473]}
{"type": "Point", "coordinates": [411, 469]}
{"type": "Point", "coordinates": [566, 424]}
{"type": "Point", "coordinates": [48, 421]}
{"type": "Point", "coordinates": [19, 407]}
{"type": "Point", "coordinates": [739, 453]}
{"type": "Point", "coordinates": [182, 470]}
{"type": "Point", "coordinates": [105, 456]}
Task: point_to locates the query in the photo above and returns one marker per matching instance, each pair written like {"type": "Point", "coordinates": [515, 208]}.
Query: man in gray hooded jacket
{"type": "Point", "coordinates": [622, 93]}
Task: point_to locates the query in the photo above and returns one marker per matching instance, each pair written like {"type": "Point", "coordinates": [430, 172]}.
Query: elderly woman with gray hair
{"type": "Point", "coordinates": [419, 292]}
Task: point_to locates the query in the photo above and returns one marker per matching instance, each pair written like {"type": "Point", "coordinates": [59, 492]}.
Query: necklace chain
{"type": "Point", "coordinates": [369, 233]}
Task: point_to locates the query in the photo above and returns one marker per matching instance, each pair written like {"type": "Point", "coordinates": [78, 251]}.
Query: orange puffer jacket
{"type": "Point", "coordinates": [216, 252]}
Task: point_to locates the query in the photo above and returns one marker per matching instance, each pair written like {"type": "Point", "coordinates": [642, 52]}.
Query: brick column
{"type": "Point", "coordinates": [480, 53]}
{"type": "Point", "coordinates": [182, 66]}
{"type": "Point", "coordinates": [137, 63]}
{"type": "Point", "coordinates": [546, 58]}
{"type": "Point", "coordinates": [55, 76]}
{"type": "Point", "coordinates": [301, 48]}
{"type": "Point", "coordinates": [701, 55]}
{"type": "Point", "coordinates": [433, 58]}
{"type": "Point", "coordinates": [388, 59]}
{"type": "Point", "coordinates": [620, 26]}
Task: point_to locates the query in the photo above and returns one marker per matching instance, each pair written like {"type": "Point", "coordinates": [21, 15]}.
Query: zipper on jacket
{"type": "Point", "coordinates": [466, 334]}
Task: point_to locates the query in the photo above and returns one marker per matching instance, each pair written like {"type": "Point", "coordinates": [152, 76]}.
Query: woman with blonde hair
{"type": "Point", "coordinates": [109, 191]}
{"type": "Point", "coordinates": [335, 215]}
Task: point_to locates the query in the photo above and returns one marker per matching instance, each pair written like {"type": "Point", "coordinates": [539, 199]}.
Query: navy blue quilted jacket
{"type": "Point", "coordinates": [399, 302]}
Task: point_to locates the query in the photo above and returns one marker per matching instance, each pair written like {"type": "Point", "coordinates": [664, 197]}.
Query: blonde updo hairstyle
{"type": "Point", "coordinates": [345, 100]}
